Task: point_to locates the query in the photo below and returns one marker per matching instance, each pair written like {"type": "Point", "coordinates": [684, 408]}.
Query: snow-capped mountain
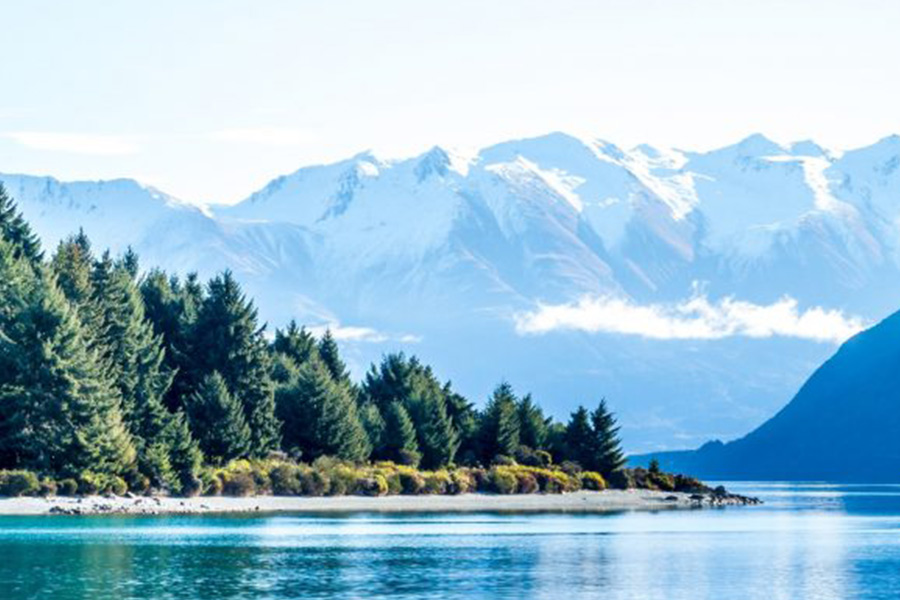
{"type": "Point", "coordinates": [694, 290]}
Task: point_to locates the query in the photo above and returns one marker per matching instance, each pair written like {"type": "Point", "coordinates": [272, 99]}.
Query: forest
{"type": "Point", "coordinates": [116, 379]}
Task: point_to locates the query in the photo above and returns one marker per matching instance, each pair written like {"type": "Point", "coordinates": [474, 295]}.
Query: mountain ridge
{"type": "Point", "coordinates": [451, 250]}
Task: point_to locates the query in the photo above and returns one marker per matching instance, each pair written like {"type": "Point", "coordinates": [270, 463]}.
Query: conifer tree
{"type": "Point", "coordinates": [16, 231]}
{"type": "Point", "coordinates": [579, 439]}
{"type": "Point", "coordinates": [72, 264]}
{"type": "Point", "coordinates": [228, 339]}
{"type": "Point", "coordinates": [134, 355]}
{"type": "Point", "coordinates": [608, 449]}
{"type": "Point", "coordinates": [374, 425]}
{"type": "Point", "coordinates": [399, 434]}
{"type": "Point", "coordinates": [500, 424]}
{"type": "Point", "coordinates": [173, 313]}
{"type": "Point", "coordinates": [61, 415]}
{"type": "Point", "coordinates": [217, 420]}
{"type": "Point", "coordinates": [532, 424]}
{"type": "Point", "coordinates": [296, 343]}
{"type": "Point", "coordinates": [415, 386]}
{"type": "Point", "coordinates": [320, 416]}
{"type": "Point", "coordinates": [331, 356]}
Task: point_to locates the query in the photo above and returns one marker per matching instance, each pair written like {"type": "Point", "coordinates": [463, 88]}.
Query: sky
{"type": "Point", "coordinates": [210, 99]}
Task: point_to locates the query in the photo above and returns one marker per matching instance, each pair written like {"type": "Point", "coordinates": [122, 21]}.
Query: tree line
{"type": "Point", "coordinates": [149, 376]}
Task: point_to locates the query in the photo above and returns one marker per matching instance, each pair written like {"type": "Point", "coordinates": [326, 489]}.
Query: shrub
{"type": "Point", "coordinates": [314, 483]}
{"type": "Point", "coordinates": [139, 484]}
{"type": "Point", "coordinates": [409, 458]}
{"type": "Point", "coordinates": [683, 483]}
{"type": "Point", "coordinates": [285, 480]}
{"type": "Point", "coordinates": [501, 460]}
{"type": "Point", "coordinates": [462, 481]}
{"type": "Point", "coordinates": [210, 482]}
{"type": "Point", "coordinates": [526, 483]}
{"type": "Point", "coordinates": [392, 478]}
{"type": "Point", "coordinates": [343, 481]}
{"type": "Point", "coordinates": [412, 482]}
{"type": "Point", "coordinates": [376, 485]}
{"type": "Point", "coordinates": [18, 483]}
{"type": "Point", "coordinates": [661, 481]}
{"type": "Point", "coordinates": [502, 480]}
{"type": "Point", "coordinates": [239, 483]}
{"type": "Point", "coordinates": [67, 487]}
{"type": "Point", "coordinates": [89, 483]}
{"type": "Point", "coordinates": [191, 485]}
{"type": "Point", "coordinates": [622, 479]}
{"type": "Point", "coordinates": [47, 487]}
{"type": "Point", "coordinates": [593, 481]}
{"type": "Point", "coordinates": [437, 482]}
{"type": "Point", "coordinates": [115, 485]}
{"type": "Point", "coordinates": [261, 479]}
{"type": "Point", "coordinates": [570, 468]}
{"type": "Point", "coordinates": [543, 457]}
{"type": "Point", "coordinates": [552, 482]}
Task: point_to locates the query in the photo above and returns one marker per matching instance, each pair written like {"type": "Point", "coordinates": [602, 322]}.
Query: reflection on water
{"type": "Point", "coordinates": [807, 541]}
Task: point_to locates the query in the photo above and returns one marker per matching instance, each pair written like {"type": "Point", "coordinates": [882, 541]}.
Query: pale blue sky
{"type": "Point", "coordinates": [208, 100]}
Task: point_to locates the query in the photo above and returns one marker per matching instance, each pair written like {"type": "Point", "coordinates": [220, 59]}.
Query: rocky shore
{"type": "Point", "coordinates": [584, 501]}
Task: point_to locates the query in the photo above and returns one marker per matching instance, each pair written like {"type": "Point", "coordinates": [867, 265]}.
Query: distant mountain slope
{"type": "Point", "coordinates": [464, 259]}
{"type": "Point", "coordinates": [843, 424]}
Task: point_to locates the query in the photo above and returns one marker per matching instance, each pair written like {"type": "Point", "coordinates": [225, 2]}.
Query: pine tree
{"type": "Point", "coordinates": [17, 232]}
{"type": "Point", "coordinates": [331, 356]}
{"type": "Point", "coordinates": [579, 439]}
{"type": "Point", "coordinates": [608, 449]}
{"type": "Point", "coordinates": [296, 343]}
{"type": "Point", "coordinates": [217, 420]}
{"type": "Point", "coordinates": [61, 415]}
{"type": "Point", "coordinates": [72, 263]}
{"type": "Point", "coordinates": [532, 424]}
{"type": "Point", "coordinates": [399, 434]}
{"type": "Point", "coordinates": [173, 312]}
{"type": "Point", "coordinates": [130, 262]}
{"type": "Point", "coordinates": [414, 385]}
{"type": "Point", "coordinates": [135, 356]}
{"type": "Point", "coordinates": [374, 425]}
{"type": "Point", "coordinates": [228, 339]}
{"type": "Point", "coordinates": [320, 416]}
{"type": "Point", "coordinates": [500, 424]}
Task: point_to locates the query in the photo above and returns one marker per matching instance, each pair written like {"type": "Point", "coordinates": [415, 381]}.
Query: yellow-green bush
{"type": "Point", "coordinates": [373, 485]}
{"type": "Point", "coordinates": [18, 483]}
{"type": "Point", "coordinates": [592, 481]}
{"type": "Point", "coordinates": [285, 480]}
{"type": "Point", "coordinates": [238, 483]}
{"type": "Point", "coordinates": [67, 487]}
{"type": "Point", "coordinates": [437, 482]}
{"type": "Point", "coordinates": [526, 483]}
{"type": "Point", "coordinates": [463, 481]}
{"type": "Point", "coordinates": [502, 480]}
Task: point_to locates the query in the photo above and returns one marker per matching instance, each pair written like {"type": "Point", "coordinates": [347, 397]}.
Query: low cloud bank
{"type": "Point", "coordinates": [696, 318]}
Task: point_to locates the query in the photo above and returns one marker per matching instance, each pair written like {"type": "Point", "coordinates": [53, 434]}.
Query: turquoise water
{"type": "Point", "coordinates": [806, 542]}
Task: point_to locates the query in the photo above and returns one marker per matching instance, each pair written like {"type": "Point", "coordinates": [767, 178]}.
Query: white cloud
{"type": "Point", "coordinates": [75, 143]}
{"type": "Point", "coordinates": [696, 318]}
{"type": "Point", "coordinates": [270, 136]}
{"type": "Point", "coordinates": [361, 334]}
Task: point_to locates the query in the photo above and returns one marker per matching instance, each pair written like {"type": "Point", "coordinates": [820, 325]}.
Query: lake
{"type": "Point", "coordinates": [806, 542]}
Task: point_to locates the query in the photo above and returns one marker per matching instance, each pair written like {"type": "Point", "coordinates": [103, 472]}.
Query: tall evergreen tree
{"type": "Point", "coordinates": [415, 386]}
{"type": "Point", "coordinates": [609, 456]}
{"type": "Point", "coordinates": [331, 356]}
{"type": "Point", "coordinates": [17, 232]}
{"type": "Point", "coordinates": [399, 434]}
{"type": "Point", "coordinates": [173, 312]}
{"type": "Point", "coordinates": [61, 414]}
{"type": "Point", "coordinates": [580, 444]}
{"type": "Point", "coordinates": [135, 356]}
{"type": "Point", "coordinates": [374, 425]}
{"type": "Point", "coordinates": [217, 419]}
{"type": "Point", "coordinates": [228, 339]}
{"type": "Point", "coordinates": [72, 263]}
{"type": "Point", "coordinates": [500, 424]}
{"type": "Point", "coordinates": [532, 424]}
{"type": "Point", "coordinates": [320, 416]}
{"type": "Point", "coordinates": [296, 343]}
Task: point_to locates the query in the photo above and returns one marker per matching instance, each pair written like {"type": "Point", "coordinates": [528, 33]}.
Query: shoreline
{"type": "Point", "coordinates": [573, 502]}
